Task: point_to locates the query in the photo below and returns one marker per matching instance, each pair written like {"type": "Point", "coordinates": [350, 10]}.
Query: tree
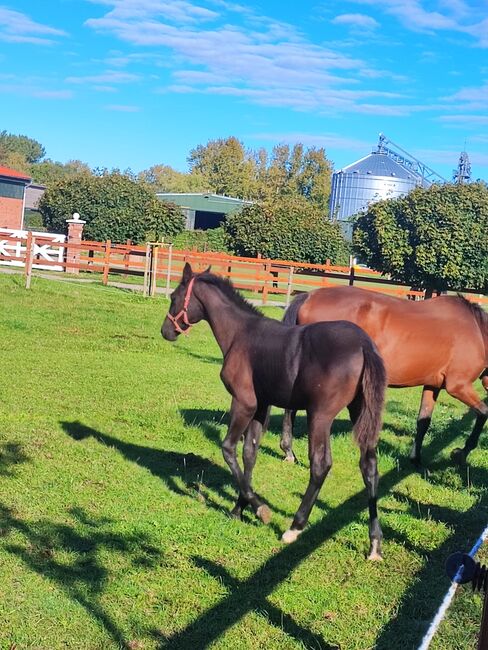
{"type": "Point", "coordinates": [297, 172]}
{"type": "Point", "coordinates": [226, 167]}
{"type": "Point", "coordinates": [28, 149]}
{"type": "Point", "coordinates": [47, 171]}
{"type": "Point", "coordinates": [435, 238]}
{"type": "Point", "coordinates": [166, 179]}
{"type": "Point", "coordinates": [114, 206]}
{"type": "Point", "coordinates": [289, 229]}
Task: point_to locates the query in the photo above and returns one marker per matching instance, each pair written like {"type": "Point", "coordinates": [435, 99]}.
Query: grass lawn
{"type": "Point", "coordinates": [114, 499]}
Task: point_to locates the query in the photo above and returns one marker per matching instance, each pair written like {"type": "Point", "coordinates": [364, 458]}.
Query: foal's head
{"type": "Point", "coordinates": [185, 309]}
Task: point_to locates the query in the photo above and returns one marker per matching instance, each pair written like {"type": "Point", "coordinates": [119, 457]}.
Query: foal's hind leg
{"type": "Point", "coordinates": [469, 396]}
{"type": "Point", "coordinates": [287, 435]}
{"type": "Point", "coordinates": [252, 440]}
{"type": "Point", "coordinates": [369, 470]}
{"type": "Point", "coordinates": [429, 399]}
{"type": "Point", "coordinates": [320, 464]}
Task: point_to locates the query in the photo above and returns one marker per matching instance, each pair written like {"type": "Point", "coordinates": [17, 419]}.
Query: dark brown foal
{"type": "Point", "coordinates": [321, 368]}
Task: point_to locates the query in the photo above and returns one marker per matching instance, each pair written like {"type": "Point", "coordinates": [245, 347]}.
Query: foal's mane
{"type": "Point", "coordinates": [227, 288]}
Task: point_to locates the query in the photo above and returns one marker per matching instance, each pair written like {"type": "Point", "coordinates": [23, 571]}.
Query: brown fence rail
{"type": "Point", "coordinates": [160, 267]}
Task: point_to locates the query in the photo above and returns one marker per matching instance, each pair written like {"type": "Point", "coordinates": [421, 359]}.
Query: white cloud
{"type": "Point", "coordinates": [356, 20]}
{"type": "Point", "coordinates": [464, 120]}
{"type": "Point", "coordinates": [264, 61]}
{"type": "Point", "coordinates": [109, 77]}
{"type": "Point", "coordinates": [452, 15]}
{"type": "Point", "coordinates": [16, 27]}
{"type": "Point", "coordinates": [31, 89]}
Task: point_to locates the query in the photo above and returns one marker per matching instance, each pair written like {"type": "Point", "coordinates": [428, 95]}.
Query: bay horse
{"type": "Point", "coordinates": [322, 368]}
{"type": "Point", "coordinates": [438, 343]}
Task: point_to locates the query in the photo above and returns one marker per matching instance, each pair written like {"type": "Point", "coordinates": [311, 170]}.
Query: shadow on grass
{"type": "Point", "coordinates": [194, 472]}
{"type": "Point", "coordinates": [11, 454]}
{"type": "Point", "coordinates": [83, 577]}
{"type": "Point", "coordinates": [251, 595]}
{"type": "Point", "coordinates": [420, 601]}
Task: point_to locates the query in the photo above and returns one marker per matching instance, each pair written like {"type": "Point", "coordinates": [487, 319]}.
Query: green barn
{"type": "Point", "coordinates": [203, 210]}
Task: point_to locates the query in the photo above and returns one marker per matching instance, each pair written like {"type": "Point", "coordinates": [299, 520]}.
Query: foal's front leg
{"type": "Point", "coordinates": [252, 441]}
{"type": "Point", "coordinates": [241, 415]}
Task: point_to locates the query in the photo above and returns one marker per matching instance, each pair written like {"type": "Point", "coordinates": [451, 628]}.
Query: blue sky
{"type": "Point", "coordinates": [134, 83]}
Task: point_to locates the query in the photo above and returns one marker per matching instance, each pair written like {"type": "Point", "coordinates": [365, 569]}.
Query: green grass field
{"type": "Point", "coordinates": [114, 499]}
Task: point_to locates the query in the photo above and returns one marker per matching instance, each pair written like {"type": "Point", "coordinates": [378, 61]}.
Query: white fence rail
{"type": "Point", "coordinates": [13, 243]}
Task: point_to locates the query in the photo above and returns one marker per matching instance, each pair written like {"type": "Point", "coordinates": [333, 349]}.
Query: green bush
{"type": "Point", "coordinates": [435, 238]}
{"type": "Point", "coordinates": [114, 206]}
{"type": "Point", "coordinates": [291, 228]}
{"type": "Point", "coordinates": [213, 239]}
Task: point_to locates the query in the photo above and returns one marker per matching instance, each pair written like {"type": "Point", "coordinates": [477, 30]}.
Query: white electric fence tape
{"type": "Point", "coordinates": [441, 612]}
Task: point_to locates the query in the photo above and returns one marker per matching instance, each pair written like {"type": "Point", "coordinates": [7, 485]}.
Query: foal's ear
{"type": "Point", "coordinates": [187, 273]}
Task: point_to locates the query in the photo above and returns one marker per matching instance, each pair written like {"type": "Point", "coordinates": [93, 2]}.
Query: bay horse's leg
{"type": "Point", "coordinates": [252, 441]}
{"type": "Point", "coordinates": [320, 463]}
{"type": "Point", "coordinates": [469, 396]}
{"type": "Point", "coordinates": [369, 470]}
{"type": "Point", "coordinates": [240, 418]}
{"type": "Point", "coordinates": [484, 378]}
{"type": "Point", "coordinates": [287, 435]}
{"type": "Point", "coordinates": [427, 404]}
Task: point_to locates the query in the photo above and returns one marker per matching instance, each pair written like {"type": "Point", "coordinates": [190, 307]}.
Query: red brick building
{"type": "Point", "coordinates": [12, 197]}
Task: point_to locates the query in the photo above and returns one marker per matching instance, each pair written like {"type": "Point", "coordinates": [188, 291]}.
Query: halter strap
{"type": "Point", "coordinates": [183, 313]}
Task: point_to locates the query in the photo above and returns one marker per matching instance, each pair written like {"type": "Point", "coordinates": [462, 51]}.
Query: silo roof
{"type": "Point", "coordinates": [380, 164]}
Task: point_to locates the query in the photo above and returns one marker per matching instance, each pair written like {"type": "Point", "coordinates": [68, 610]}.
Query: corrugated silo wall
{"type": "Point", "coordinates": [352, 192]}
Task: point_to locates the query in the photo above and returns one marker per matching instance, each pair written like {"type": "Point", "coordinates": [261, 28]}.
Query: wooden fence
{"type": "Point", "coordinates": [159, 266]}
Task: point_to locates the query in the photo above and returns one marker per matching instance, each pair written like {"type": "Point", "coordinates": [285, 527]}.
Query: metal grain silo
{"type": "Point", "coordinates": [384, 174]}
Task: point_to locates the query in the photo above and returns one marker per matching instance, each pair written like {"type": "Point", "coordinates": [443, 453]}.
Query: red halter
{"type": "Point", "coordinates": [184, 312]}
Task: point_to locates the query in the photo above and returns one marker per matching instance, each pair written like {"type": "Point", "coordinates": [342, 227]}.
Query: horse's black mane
{"type": "Point", "coordinates": [478, 312]}
{"type": "Point", "coordinates": [229, 290]}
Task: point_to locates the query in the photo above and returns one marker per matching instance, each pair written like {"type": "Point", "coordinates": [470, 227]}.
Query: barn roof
{"type": "Point", "coordinates": [205, 202]}
{"type": "Point", "coordinates": [6, 172]}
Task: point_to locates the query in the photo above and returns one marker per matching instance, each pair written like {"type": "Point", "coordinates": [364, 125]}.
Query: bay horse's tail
{"type": "Point", "coordinates": [291, 313]}
{"type": "Point", "coordinates": [371, 397]}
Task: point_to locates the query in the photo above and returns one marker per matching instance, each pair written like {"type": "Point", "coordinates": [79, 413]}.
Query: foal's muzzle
{"type": "Point", "coordinates": [168, 331]}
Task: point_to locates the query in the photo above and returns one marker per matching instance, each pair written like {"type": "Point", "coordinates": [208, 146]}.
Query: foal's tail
{"type": "Point", "coordinates": [291, 313]}
{"type": "Point", "coordinates": [371, 398]}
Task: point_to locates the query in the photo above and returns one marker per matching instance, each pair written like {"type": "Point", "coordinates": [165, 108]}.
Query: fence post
{"type": "Point", "coordinates": [75, 233]}
{"type": "Point", "coordinates": [127, 257]}
{"type": "Point", "coordinates": [146, 269]}
{"type": "Point", "coordinates": [106, 261]}
{"type": "Point", "coordinates": [153, 276]}
{"type": "Point", "coordinates": [351, 276]}
{"type": "Point", "coordinates": [168, 270]}
{"type": "Point", "coordinates": [289, 286]}
{"type": "Point", "coordinates": [267, 266]}
{"type": "Point", "coordinates": [29, 258]}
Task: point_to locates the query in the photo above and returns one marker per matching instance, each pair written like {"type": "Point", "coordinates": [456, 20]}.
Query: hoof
{"type": "Point", "coordinates": [290, 536]}
{"type": "Point", "coordinates": [375, 557]}
{"type": "Point", "coordinates": [289, 458]}
{"type": "Point", "coordinates": [264, 513]}
{"type": "Point", "coordinates": [236, 514]}
{"type": "Point", "coordinates": [458, 456]}
{"type": "Point", "coordinates": [374, 552]}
